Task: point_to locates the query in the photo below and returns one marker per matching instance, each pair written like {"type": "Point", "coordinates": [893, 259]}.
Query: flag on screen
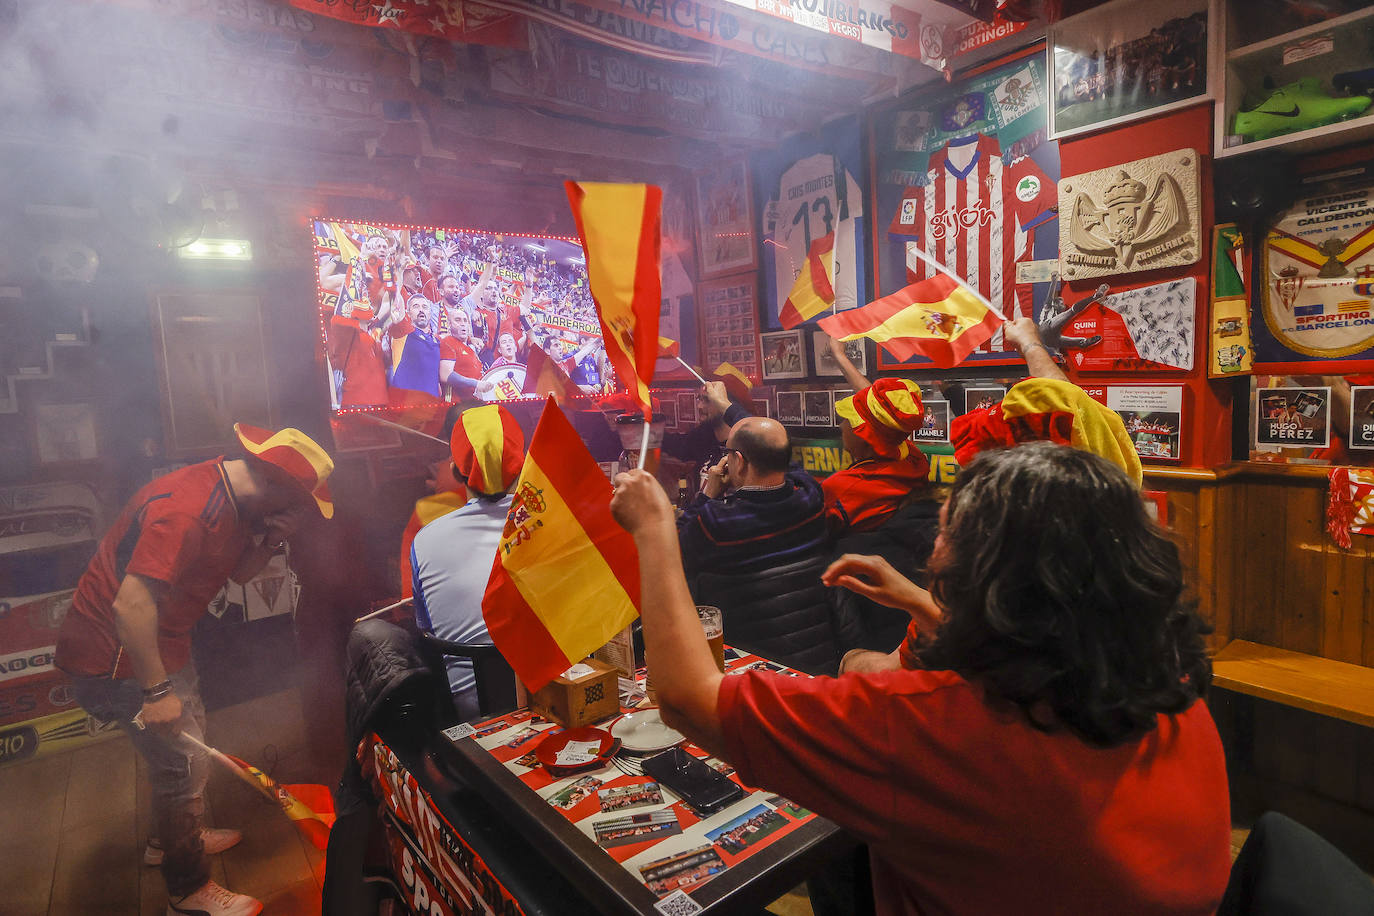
{"type": "Point", "coordinates": [668, 348]}
{"type": "Point", "coordinates": [814, 291]}
{"type": "Point", "coordinates": [566, 575]}
{"type": "Point", "coordinates": [936, 318]}
{"type": "Point", "coordinates": [545, 376]}
{"type": "Point", "coordinates": [619, 228]}
{"type": "Point", "coordinates": [736, 382]}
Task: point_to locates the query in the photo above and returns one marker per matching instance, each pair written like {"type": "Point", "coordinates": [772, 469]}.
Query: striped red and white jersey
{"type": "Point", "coordinates": [972, 215]}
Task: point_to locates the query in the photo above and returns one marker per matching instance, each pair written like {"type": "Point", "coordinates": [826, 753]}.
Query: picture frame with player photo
{"type": "Point", "coordinates": [1293, 417]}
{"type": "Point", "coordinates": [1361, 416]}
{"type": "Point", "coordinates": [784, 354]}
{"type": "Point", "coordinates": [687, 409]}
{"type": "Point", "coordinates": [760, 407]}
{"type": "Point", "coordinates": [789, 408]}
{"type": "Point", "coordinates": [935, 424]}
{"type": "Point", "coordinates": [667, 411]}
{"type": "Point", "coordinates": [817, 409]}
{"type": "Point", "coordinates": [824, 361]}
{"type": "Point", "coordinates": [983, 397]}
{"type": "Point", "coordinates": [1124, 61]}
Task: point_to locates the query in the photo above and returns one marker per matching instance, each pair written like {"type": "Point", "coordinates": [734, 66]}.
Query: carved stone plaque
{"type": "Point", "coordinates": [1135, 216]}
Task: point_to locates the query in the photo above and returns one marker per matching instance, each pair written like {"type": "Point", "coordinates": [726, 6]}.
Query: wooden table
{"type": "Point", "coordinates": [785, 845]}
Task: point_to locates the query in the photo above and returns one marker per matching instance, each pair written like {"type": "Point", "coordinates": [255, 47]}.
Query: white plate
{"type": "Point", "coordinates": [643, 732]}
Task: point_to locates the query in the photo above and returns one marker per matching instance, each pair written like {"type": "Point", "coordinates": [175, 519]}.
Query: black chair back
{"type": "Point", "coordinates": [1284, 869]}
{"type": "Point", "coordinates": [495, 678]}
{"type": "Point", "coordinates": [783, 614]}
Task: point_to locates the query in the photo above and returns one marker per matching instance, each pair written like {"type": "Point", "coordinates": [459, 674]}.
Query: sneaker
{"type": "Point", "coordinates": [213, 900]}
{"type": "Point", "coordinates": [216, 840]}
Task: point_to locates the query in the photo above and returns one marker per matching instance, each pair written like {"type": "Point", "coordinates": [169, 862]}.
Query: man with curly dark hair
{"type": "Point", "coordinates": [1052, 755]}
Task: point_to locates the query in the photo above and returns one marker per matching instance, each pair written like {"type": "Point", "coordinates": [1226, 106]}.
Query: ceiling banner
{"type": "Point", "coordinates": [874, 23]}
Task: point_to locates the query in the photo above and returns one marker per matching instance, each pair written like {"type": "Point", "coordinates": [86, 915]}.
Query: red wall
{"type": "Point", "coordinates": [1206, 428]}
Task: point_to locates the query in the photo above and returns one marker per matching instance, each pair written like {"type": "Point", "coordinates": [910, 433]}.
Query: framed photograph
{"type": "Point", "coordinates": [784, 354]}
{"type": "Point", "coordinates": [824, 360]}
{"type": "Point", "coordinates": [687, 409]}
{"type": "Point", "coordinates": [1127, 60]}
{"type": "Point", "coordinates": [667, 408]}
{"type": "Point", "coordinates": [1293, 417]}
{"type": "Point", "coordinates": [977, 398]}
{"type": "Point", "coordinates": [818, 409]}
{"type": "Point", "coordinates": [760, 407]}
{"type": "Point", "coordinates": [1361, 417]}
{"type": "Point", "coordinates": [789, 408]}
{"type": "Point", "coordinates": [212, 369]}
{"type": "Point", "coordinates": [725, 219]}
{"type": "Point", "coordinates": [65, 433]}
{"type": "Point", "coordinates": [726, 324]}
{"type": "Point", "coordinates": [935, 423]}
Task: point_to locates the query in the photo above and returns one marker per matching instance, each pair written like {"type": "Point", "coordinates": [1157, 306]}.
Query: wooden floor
{"type": "Point", "coordinates": [73, 825]}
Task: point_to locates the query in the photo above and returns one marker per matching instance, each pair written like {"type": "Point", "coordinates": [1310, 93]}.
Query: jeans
{"type": "Point", "coordinates": [176, 771]}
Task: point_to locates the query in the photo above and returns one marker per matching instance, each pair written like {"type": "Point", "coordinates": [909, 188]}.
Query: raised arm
{"type": "Point", "coordinates": [1025, 337]}
{"type": "Point", "coordinates": [684, 671]}
{"type": "Point", "coordinates": [852, 375]}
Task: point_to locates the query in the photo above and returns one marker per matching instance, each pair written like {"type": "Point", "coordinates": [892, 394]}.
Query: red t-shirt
{"type": "Point", "coordinates": [183, 530]}
{"type": "Point", "coordinates": [863, 495]}
{"type": "Point", "coordinates": [359, 355]}
{"type": "Point", "coordinates": [967, 809]}
{"type": "Point", "coordinates": [466, 362]}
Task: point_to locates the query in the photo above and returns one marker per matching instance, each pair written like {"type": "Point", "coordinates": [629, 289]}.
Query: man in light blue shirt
{"type": "Point", "coordinates": [452, 556]}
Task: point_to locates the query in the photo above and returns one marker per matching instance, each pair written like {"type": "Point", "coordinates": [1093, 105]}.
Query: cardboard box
{"type": "Point", "coordinates": [581, 700]}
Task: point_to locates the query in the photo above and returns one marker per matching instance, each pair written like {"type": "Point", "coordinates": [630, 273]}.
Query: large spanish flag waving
{"type": "Point", "coordinates": [566, 576]}
{"type": "Point", "coordinates": [619, 228]}
{"type": "Point", "coordinates": [936, 318]}
{"type": "Point", "coordinates": [814, 291]}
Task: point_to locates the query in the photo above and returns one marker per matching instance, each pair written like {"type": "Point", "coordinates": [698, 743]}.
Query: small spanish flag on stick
{"type": "Point", "coordinates": [736, 382]}
{"type": "Point", "coordinates": [942, 318]}
{"type": "Point", "coordinates": [566, 576]}
{"type": "Point", "coordinates": [814, 291]}
{"type": "Point", "coordinates": [621, 238]}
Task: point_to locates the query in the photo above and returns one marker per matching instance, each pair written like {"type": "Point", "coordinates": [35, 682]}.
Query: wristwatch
{"type": "Point", "coordinates": [157, 691]}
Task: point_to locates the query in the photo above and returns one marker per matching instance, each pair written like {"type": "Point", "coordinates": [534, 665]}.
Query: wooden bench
{"type": "Point", "coordinates": [1321, 685]}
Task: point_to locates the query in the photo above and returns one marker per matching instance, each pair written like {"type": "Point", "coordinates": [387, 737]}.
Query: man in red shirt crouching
{"type": "Point", "coordinates": [126, 642]}
{"type": "Point", "coordinates": [1052, 754]}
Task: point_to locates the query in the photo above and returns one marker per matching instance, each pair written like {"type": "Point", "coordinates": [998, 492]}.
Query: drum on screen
{"type": "Point", "coordinates": [508, 383]}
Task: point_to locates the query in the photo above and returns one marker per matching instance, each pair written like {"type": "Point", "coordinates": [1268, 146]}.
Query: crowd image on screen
{"type": "Point", "coordinates": [424, 315]}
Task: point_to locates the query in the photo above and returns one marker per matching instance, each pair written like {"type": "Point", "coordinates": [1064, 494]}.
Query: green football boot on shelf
{"type": "Point", "coordinates": [1297, 106]}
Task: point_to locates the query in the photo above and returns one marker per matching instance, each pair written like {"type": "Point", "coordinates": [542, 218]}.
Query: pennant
{"type": "Point", "coordinates": [814, 291]}
{"type": "Point", "coordinates": [736, 382]}
{"type": "Point", "coordinates": [936, 318]}
{"type": "Point", "coordinates": [668, 348]}
{"type": "Point", "coordinates": [544, 376]}
{"type": "Point", "coordinates": [566, 576]}
{"type": "Point", "coordinates": [618, 225]}
{"type": "Point", "coordinates": [1350, 504]}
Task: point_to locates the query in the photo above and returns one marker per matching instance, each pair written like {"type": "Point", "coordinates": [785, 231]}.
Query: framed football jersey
{"type": "Point", "coordinates": [808, 188]}
{"type": "Point", "coordinates": [966, 177]}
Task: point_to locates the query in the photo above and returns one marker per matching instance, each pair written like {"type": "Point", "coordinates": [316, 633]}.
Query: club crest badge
{"type": "Point", "coordinates": [1136, 216]}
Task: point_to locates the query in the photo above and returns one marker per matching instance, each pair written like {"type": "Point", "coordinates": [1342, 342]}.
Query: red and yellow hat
{"type": "Point", "coordinates": [295, 453]}
{"type": "Point", "coordinates": [488, 448]}
{"type": "Point", "coordinates": [884, 414]}
{"type": "Point", "coordinates": [1047, 410]}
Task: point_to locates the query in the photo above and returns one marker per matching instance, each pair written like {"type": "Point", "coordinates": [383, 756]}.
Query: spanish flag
{"type": "Point", "coordinates": [814, 291]}
{"type": "Point", "coordinates": [668, 348]}
{"type": "Point", "coordinates": [566, 576]}
{"type": "Point", "coordinates": [619, 228]}
{"type": "Point", "coordinates": [936, 318]}
{"type": "Point", "coordinates": [544, 375]}
{"type": "Point", "coordinates": [736, 382]}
